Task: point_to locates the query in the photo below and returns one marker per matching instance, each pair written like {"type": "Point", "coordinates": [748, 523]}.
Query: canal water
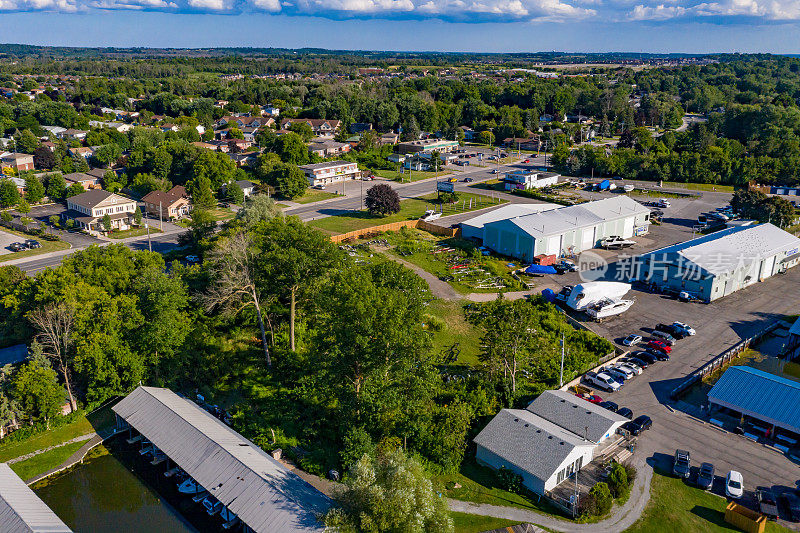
{"type": "Point", "coordinates": [104, 495]}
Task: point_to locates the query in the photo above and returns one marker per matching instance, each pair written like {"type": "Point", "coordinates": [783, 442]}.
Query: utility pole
{"type": "Point", "coordinates": [149, 244]}
{"type": "Point", "coordinates": [362, 194]}
{"type": "Point", "coordinates": [160, 218]}
{"type": "Point", "coordinates": [561, 372]}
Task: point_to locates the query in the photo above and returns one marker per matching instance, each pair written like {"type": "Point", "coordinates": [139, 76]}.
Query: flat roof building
{"type": "Point", "coordinates": [715, 265]}
{"type": "Point", "coordinates": [21, 510]}
{"type": "Point", "coordinates": [263, 493]}
{"type": "Point", "coordinates": [524, 179]}
{"type": "Point", "coordinates": [567, 230]}
{"type": "Point", "coordinates": [427, 145]}
{"type": "Point", "coordinates": [330, 172]}
{"type": "Point", "coordinates": [473, 228]}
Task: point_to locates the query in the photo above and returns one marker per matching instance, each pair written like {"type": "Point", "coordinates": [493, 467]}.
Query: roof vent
{"type": "Point", "coordinates": [516, 420]}
{"type": "Point", "coordinates": [588, 412]}
{"type": "Point", "coordinates": [538, 431]}
{"type": "Point", "coordinates": [574, 406]}
{"type": "Point", "coordinates": [550, 437]}
{"type": "Point", "coordinates": [561, 443]}
{"type": "Point", "coordinates": [563, 400]}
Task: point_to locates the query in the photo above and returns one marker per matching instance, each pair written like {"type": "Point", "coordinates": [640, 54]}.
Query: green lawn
{"type": "Point", "coordinates": [410, 209]}
{"type": "Point", "coordinates": [47, 246]}
{"type": "Point", "coordinates": [221, 213]}
{"type": "Point", "coordinates": [676, 507]}
{"type": "Point", "coordinates": [660, 194]}
{"type": "Point", "coordinates": [456, 330]}
{"type": "Point", "coordinates": [43, 462]}
{"type": "Point", "coordinates": [314, 195]}
{"type": "Point", "coordinates": [471, 523]}
{"type": "Point", "coordinates": [83, 425]}
{"type": "Point", "coordinates": [416, 175]}
{"type": "Point", "coordinates": [699, 186]}
{"type": "Point", "coordinates": [133, 232]}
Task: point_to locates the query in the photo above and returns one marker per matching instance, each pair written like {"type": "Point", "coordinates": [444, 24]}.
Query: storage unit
{"type": "Point", "coordinates": [718, 264]}
{"type": "Point", "coordinates": [473, 228]}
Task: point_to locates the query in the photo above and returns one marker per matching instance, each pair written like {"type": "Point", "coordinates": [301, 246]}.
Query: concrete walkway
{"type": "Point", "coordinates": [621, 517]}
{"type": "Point", "coordinates": [75, 458]}
{"type": "Point", "coordinates": [43, 450]}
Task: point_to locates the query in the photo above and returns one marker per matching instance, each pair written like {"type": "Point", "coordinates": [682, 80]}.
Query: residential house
{"type": "Point", "coordinates": [14, 160]}
{"type": "Point", "coordinates": [244, 159]}
{"type": "Point", "coordinates": [75, 135]}
{"type": "Point", "coordinates": [469, 133]}
{"type": "Point", "coordinates": [320, 127]}
{"type": "Point", "coordinates": [330, 172]}
{"type": "Point", "coordinates": [389, 138]}
{"type": "Point", "coordinates": [206, 145]}
{"type": "Point", "coordinates": [54, 130]}
{"type": "Point", "coordinates": [169, 127]}
{"type": "Point", "coordinates": [89, 209]}
{"type": "Point", "coordinates": [248, 187]}
{"type": "Point", "coordinates": [531, 143]}
{"type": "Point", "coordinates": [360, 127]}
{"type": "Point", "coordinates": [328, 148]}
{"type": "Point", "coordinates": [270, 110]}
{"type": "Point", "coordinates": [170, 205]}
{"type": "Point", "coordinates": [85, 180]}
{"type": "Point", "coordinates": [82, 151]}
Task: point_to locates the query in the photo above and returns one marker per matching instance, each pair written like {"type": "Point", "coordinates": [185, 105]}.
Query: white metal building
{"type": "Point", "coordinates": [524, 179]}
{"type": "Point", "coordinates": [567, 230]}
{"type": "Point", "coordinates": [21, 510]}
{"type": "Point", "coordinates": [473, 228]}
{"type": "Point", "coordinates": [715, 265]}
{"type": "Point", "coordinates": [330, 172]}
{"type": "Point", "coordinates": [554, 437]}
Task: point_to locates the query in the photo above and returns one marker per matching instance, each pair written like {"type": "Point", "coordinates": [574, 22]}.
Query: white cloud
{"type": "Point", "coordinates": [267, 5]}
{"type": "Point", "coordinates": [659, 12]}
{"type": "Point", "coordinates": [209, 5]}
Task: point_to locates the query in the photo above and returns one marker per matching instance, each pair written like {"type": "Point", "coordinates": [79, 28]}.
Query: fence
{"type": "Point", "coordinates": [721, 360]}
{"type": "Point", "coordinates": [395, 226]}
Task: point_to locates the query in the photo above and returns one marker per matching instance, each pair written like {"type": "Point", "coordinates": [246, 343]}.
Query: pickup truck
{"type": "Point", "coordinates": [767, 505]}
{"type": "Point", "coordinates": [683, 465]}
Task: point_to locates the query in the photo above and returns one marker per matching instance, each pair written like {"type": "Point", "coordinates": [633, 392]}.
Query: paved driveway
{"type": "Point", "coordinates": [6, 239]}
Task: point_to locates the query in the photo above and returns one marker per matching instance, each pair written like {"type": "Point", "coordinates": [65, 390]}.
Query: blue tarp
{"type": "Point", "coordinates": [540, 269]}
{"type": "Point", "coordinates": [605, 184]}
{"type": "Point", "coordinates": [549, 295]}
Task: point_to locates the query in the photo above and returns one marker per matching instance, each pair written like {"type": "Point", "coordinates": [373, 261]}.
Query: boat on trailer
{"type": "Point", "coordinates": [608, 307]}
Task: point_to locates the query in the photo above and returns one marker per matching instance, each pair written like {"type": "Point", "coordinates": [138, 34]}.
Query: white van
{"type": "Point", "coordinates": [603, 381]}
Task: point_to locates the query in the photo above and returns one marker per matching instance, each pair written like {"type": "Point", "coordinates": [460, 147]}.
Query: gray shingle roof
{"type": "Point", "coordinates": [263, 493]}
{"type": "Point", "coordinates": [21, 510]}
{"type": "Point", "coordinates": [529, 441]}
{"type": "Point", "coordinates": [575, 414]}
{"type": "Point", "coordinates": [771, 398]}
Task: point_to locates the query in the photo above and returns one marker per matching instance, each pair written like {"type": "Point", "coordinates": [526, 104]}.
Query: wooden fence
{"type": "Point", "coordinates": [395, 226]}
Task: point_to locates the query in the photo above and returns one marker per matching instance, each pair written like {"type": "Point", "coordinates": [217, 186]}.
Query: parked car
{"type": "Point", "coordinates": [646, 357]}
{"type": "Point", "coordinates": [734, 485]}
{"type": "Point", "coordinates": [664, 337]}
{"type": "Point", "coordinates": [32, 244]}
{"type": "Point", "coordinates": [627, 413]}
{"type": "Point", "coordinates": [635, 361]}
{"type": "Point", "coordinates": [611, 406]}
{"type": "Point", "coordinates": [319, 187]}
{"type": "Point", "coordinates": [682, 465]}
{"type": "Point", "coordinates": [633, 367]}
{"type": "Point", "coordinates": [621, 375]}
{"type": "Point", "coordinates": [670, 329]}
{"type": "Point", "coordinates": [766, 503]}
{"type": "Point", "coordinates": [495, 171]}
{"type": "Point", "coordinates": [632, 340]}
{"type": "Point", "coordinates": [658, 354]}
{"type": "Point", "coordinates": [791, 502]}
{"type": "Point", "coordinates": [468, 180]}
{"type": "Point", "coordinates": [603, 381]}
{"type": "Point", "coordinates": [689, 330]}
{"type": "Point", "coordinates": [659, 346]}
{"type": "Point", "coordinates": [17, 247]}
{"type": "Point", "coordinates": [639, 424]}
{"type": "Point", "coordinates": [593, 398]}
{"type": "Point", "coordinates": [705, 477]}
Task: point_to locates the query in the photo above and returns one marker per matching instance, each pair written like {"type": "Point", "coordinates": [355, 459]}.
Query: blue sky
{"type": "Point", "coordinates": [450, 25]}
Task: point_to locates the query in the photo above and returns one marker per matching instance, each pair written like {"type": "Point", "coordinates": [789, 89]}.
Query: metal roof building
{"type": "Point", "coordinates": [576, 415]}
{"type": "Point", "coordinates": [21, 510]}
{"type": "Point", "coordinates": [715, 265]}
{"type": "Point", "coordinates": [772, 399]}
{"type": "Point", "coordinates": [264, 494]}
{"type": "Point", "coordinates": [473, 228]}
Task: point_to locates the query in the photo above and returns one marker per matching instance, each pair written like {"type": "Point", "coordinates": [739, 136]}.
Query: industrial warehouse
{"type": "Point", "coordinates": [547, 442]}
{"type": "Point", "coordinates": [715, 265]}
{"type": "Point", "coordinates": [568, 230]}
{"type": "Point", "coordinates": [233, 473]}
{"type": "Point", "coordinates": [21, 510]}
{"type": "Point", "coordinates": [473, 228]}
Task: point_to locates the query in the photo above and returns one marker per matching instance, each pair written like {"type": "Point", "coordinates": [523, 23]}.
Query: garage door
{"type": "Point", "coordinates": [587, 239]}
{"type": "Point", "coordinates": [554, 245]}
{"type": "Point", "coordinates": [627, 230]}
{"type": "Point", "coordinates": [766, 267]}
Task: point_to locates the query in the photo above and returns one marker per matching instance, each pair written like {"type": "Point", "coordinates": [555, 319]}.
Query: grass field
{"type": "Point", "coordinates": [416, 175]}
{"type": "Point", "coordinates": [456, 330]}
{"type": "Point", "coordinates": [221, 213]}
{"type": "Point", "coordinates": [47, 246]}
{"type": "Point", "coordinates": [410, 209]}
{"type": "Point", "coordinates": [43, 462]}
{"type": "Point", "coordinates": [133, 232]}
{"type": "Point", "coordinates": [699, 186]}
{"type": "Point", "coordinates": [676, 507]}
{"type": "Point", "coordinates": [314, 195]}
{"type": "Point", "coordinates": [101, 419]}
{"type": "Point", "coordinates": [471, 523]}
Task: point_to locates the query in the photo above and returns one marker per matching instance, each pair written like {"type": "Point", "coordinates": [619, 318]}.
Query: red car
{"type": "Point", "coordinates": [660, 346]}
{"type": "Point", "coordinates": [593, 398]}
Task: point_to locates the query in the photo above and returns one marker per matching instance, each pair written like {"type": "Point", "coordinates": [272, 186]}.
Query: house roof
{"type": "Point", "coordinates": [21, 510]}
{"type": "Point", "coordinates": [79, 176]}
{"type": "Point", "coordinates": [93, 198]}
{"type": "Point", "coordinates": [258, 489]}
{"type": "Point", "coordinates": [166, 198]}
{"type": "Point", "coordinates": [615, 207]}
{"type": "Point", "coordinates": [245, 184]}
{"type": "Point", "coordinates": [327, 164]}
{"type": "Point", "coordinates": [723, 251]}
{"type": "Point", "coordinates": [13, 354]}
{"type": "Point", "coordinates": [529, 441]}
{"type": "Point", "coordinates": [508, 211]}
{"type": "Point", "coordinates": [575, 414]}
{"type": "Point", "coordinates": [772, 398]}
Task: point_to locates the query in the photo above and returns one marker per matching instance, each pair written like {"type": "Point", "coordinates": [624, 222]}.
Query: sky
{"type": "Point", "coordinates": [659, 26]}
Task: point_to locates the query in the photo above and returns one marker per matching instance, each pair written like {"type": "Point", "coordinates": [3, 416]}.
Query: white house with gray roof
{"type": "Point", "coordinates": [715, 265]}
{"type": "Point", "coordinates": [547, 442]}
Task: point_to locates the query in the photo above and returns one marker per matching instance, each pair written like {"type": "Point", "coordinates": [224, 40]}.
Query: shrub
{"type": "Point", "coordinates": [508, 480]}
{"type": "Point", "coordinates": [600, 500]}
{"type": "Point", "coordinates": [618, 481]}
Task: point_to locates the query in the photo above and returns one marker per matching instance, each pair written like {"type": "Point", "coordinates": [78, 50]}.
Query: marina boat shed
{"type": "Point", "coordinates": [567, 230]}
{"type": "Point", "coordinates": [21, 510]}
{"type": "Point", "coordinates": [264, 494]}
{"type": "Point", "coordinates": [767, 398]}
{"type": "Point", "coordinates": [715, 265]}
{"type": "Point", "coordinates": [554, 437]}
{"type": "Point", "coordinates": [473, 228]}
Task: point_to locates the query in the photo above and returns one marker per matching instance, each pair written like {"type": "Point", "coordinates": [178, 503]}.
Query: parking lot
{"type": "Point", "coordinates": [6, 239]}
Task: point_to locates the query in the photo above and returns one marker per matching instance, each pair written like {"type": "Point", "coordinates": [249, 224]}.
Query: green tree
{"type": "Point", "coordinates": [258, 208]}
{"type": "Point", "coordinates": [38, 393]}
{"type": "Point", "coordinates": [200, 190]}
{"type": "Point", "coordinates": [55, 324]}
{"type": "Point", "coordinates": [9, 194]}
{"type": "Point", "coordinates": [368, 141]}
{"type": "Point", "coordinates": [74, 190]}
{"type": "Point", "coordinates": [23, 206]}
{"type": "Point", "coordinates": [235, 193]}
{"type": "Point", "coordinates": [34, 190]}
{"type": "Point", "coordinates": [107, 154]}
{"type": "Point", "coordinates": [291, 149]}
{"type": "Point", "coordinates": [288, 180]}
{"type": "Point", "coordinates": [137, 216]}
{"type": "Point", "coordinates": [235, 133]}
{"type": "Point", "coordinates": [435, 161]}
{"type": "Point", "coordinates": [201, 228]}
{"type": "Point", "coordinates": [26, 142]}
{"type": "Point", "coordinates": [389, 493]}
{"type": "Point", "coordinates": [296, 257]}
{"type": "Point", "coordinates": [600, 499]}
{"type": "Point", "coordinates": [486, 137]}
{"type": "Point", "coordinates": [56, 186]}
{"type": "Point", "coordinates": [303, 129]}
{"type": "Point", "coordinates": [162, 301]}
{"type": "Point", "coordinates": [618, 480]}
{"type": "Point", "coordinates": [382, 199]}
